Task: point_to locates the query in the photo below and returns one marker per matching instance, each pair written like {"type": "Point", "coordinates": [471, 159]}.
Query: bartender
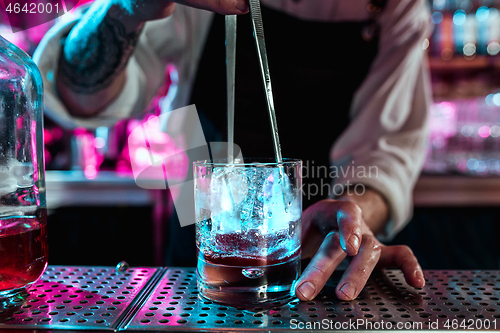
{"type": "Point", "coordinates": [351, 92]}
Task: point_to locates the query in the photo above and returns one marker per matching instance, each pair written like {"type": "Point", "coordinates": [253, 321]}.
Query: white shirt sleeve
{"type": "Point", "coordinates": [177, 39]}
{"type": "Point", "coordinates": [384, 145]}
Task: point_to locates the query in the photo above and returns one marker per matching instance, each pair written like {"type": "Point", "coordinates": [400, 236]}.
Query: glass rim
{"type": "Point", "coordinates": [248, 162]}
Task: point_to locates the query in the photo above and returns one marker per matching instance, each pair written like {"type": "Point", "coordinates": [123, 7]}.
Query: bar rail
{"type": "Point", "coordinates": [155, 299]}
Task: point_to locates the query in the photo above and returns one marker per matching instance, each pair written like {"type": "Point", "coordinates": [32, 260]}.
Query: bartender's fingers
{"type": "Point", "coordinates": [311, 241]}
{"type": "Point", "coordinates": [225, 7]}
{"type": "Point", "coordinates": [356, 275]}
{"type": "Point", "coordinates": [349, 220]}
{"type": "Point", "coordinates": [321, 267]}
{"type": "Point", "coordinates": [402, 256]}
{"type": "Point", "coordinates": [327, 215]}
{"type": "Point", "coordinates": [317, 221]}
{"type": "Point", "coordinates": [312, 237]}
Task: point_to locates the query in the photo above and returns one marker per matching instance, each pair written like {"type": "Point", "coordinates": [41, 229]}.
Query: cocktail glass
{"type": "Point", "coordinates": [248, 229]}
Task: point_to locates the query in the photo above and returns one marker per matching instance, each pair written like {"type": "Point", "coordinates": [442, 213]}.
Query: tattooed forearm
{"type": "Point", "coordinates": [94, 64]}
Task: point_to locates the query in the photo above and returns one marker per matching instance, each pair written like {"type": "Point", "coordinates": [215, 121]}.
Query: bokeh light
{"type": "Point", "coordinates": [467, 130]}
{"type": "Point", "coordinates": [495, 131]}
{"type": "Point", "coordinates": [489, 100]}
{"type": "Point", "coordinates": [482, 14]}
{"type": "Point", "coordinates": [481, 166]}
{"type": "Point", "coordinates": [425, 44]}
{"type": "Point", "coordinates": [496, 99]}
{"type": "Point", "coordinates": [493, 48]}
{"type": "Point", "coordinates": [484, 131]}
{"type": "Point", "coordinates": [439, 4]}
{"type": "Point", "coordinates": [459, 17]}
{"type": "Point", "coordinates": [437, 17]}
{"type": "Point", "coordinates": [469, 49]}
{"type": "Point", "coordinates": [472, 164]}
{"type": "Point", "coordinates": [99, 142]}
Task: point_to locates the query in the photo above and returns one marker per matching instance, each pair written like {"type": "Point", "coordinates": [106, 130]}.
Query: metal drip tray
{"type": "Point", "coordinates": [77, 298]}
{"type": "Point", "coordinates": [156, 299]}
{"type": "Point", "coordinates": [459, 297]}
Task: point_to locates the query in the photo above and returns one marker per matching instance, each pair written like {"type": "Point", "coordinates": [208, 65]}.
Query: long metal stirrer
{"type": "Point", "coordinates": [258, 32]}
{"type": "Point", "coordinates": [230, 26]}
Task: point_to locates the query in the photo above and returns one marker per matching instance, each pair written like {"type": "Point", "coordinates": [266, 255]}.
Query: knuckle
{"type": "Point", "coordinates": [332, 237]}
{"type": "Point", "coordinates": [407, 260]}
{"type": "Point", "coordinates": [362, 273]}
{"type": "Point", "coordinates": [349, 212]}
{"type": "Point", "coordinates": [321, 271]}
{"type": "Point", "coordinates": [332, 244]}
{"type": "Point", "coordinates": [372, 245]}
{"type": "Point", "coordinates": [371, 242]}
{"type": "Point", "coordinates": [351, 208]}
{"type": "Point", "coordinates": [404, 250]}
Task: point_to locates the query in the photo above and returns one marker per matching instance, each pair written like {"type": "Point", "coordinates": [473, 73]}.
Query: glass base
{"type": "Point", "coordinates": [13, 296]}
{"type": "Point", "coordinates": [234, 298]}
{"type": "Point", "coordinates": [248, 284]}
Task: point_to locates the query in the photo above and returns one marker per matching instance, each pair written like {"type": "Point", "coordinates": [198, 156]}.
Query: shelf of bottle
{"type": "Point", "coordinates": [456, 191]}
{"type": "Point", "coordinates": [477, 63]}
{"type": "Point", "coordinates": [72, 188]}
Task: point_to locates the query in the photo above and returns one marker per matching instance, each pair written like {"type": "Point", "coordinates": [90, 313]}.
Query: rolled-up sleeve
{"type": "Point", "coordinates": [384, 144]}
{"type": "Point", "coordinates": [171, 40]}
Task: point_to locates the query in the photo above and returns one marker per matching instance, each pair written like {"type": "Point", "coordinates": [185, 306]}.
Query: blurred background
{"type": "Point", "coordinates": [98, 215]}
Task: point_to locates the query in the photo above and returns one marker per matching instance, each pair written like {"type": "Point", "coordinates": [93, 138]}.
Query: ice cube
{"type": "Point", "coordinates": [228, 190]}
{"type": "Point", "coordinates": [252, 208]}
{"type": "Point", "coordinates": [281, 204]}
{"type": "Point", "coordinates": [10, 176]}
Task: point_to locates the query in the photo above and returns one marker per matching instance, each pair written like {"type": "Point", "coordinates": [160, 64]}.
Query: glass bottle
{"type": "Point", "coordinates": [23, 218]}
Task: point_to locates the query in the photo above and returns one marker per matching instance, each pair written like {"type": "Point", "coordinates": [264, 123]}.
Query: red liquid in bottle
{"type": "Point", "coordinates": [23, 250]}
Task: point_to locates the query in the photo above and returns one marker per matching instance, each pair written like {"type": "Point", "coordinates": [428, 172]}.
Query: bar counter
{"type": "Point", "coordinates": [157, 299]}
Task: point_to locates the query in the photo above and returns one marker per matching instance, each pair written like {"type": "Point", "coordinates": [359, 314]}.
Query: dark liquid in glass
{"type": "Point", "coordinates": [236, 279]}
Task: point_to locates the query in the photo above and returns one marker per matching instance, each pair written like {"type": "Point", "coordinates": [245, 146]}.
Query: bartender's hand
{"type": "Point", "coordinates": [225, 7]}
{"type": "Point", "coordinates": [347, 234]}
{"type": "Point", "coordinates": [91, 72]}
{"type": "Point", "coordinates": [146, 10]}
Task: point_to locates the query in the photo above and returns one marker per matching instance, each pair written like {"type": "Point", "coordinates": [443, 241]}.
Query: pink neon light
{"type": "Point", "coordinates": [47, 136]}
{"type": "Point", "coordinates": [154, 154]}
{"type": "Point", "coordinates": [99, 143]}
{"type": "Point", "coordinates": [90, 172]}
{"type": "Point", "coordinates": [484, 131]}
{"type": "Point", "coordinates": [91, 159]}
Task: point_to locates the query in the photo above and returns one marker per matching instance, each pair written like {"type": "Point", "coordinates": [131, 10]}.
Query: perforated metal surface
{"type": "Point", "coordinates": [82, 298]}
{"type": "Point", "coordinates": [453, 297]}
{"type": "Point", "coordinates": [92, 298]}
